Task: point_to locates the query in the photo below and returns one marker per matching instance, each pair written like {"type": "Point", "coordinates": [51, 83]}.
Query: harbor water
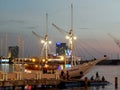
{"type": "Point", "coordinates": [108, 71]}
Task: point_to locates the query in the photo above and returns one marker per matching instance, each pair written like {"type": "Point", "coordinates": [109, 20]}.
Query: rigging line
{"type": "Point", "coordinates": [42, 49]}
{"type": "Point", "coordinates": [71, 16]}
{"type": "Point", "coordinates": [76, 50]}
{"type": "Point", "coordinates": [80, 51]}
{"type": "Point", "coordinates": [93, 48]}
{"type": "Point", "coordinates": [98, 43]}
{"type": "Point", "coordinates": [86, 50]}
{"type": "Point", "coordinates": [49, 49]}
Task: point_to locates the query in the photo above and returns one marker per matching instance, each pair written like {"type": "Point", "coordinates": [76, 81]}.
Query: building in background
{"type": "Point", "coordinates": [61, 48]}
{"type": "Point", "coordinates": [13, 52]}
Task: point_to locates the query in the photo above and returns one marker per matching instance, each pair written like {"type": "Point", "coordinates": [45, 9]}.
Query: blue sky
{"type": "Point", "coordinates": [92, 21]}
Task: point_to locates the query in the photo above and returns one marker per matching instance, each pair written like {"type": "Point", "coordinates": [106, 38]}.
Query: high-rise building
{"type": "Point", "coordinates": [13, 51]}
{"type": "Point", "coordinates": [61, 48]}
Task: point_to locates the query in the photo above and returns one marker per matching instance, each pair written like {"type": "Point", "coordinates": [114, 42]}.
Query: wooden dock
{"type": "Point", "coordinates": [38, 79]}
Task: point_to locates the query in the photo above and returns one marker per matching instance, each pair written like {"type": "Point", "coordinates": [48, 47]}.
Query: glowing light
{"type": "Point", "coordinates": [67, 66]}
{"type": "Point", "coordinates": [46, 66]}
{"type": "Point", "coordinates": [42, 41]}
{"type": "Point", "coordinates": [43, 60]}
{"type": "Point", "coordinates": [36, 66]}
{"type": "Point", "coordinates": [62, 57]}
{"type": "Point", "coordinates": [50, 42]}
{"type": "Point", "coordinates": [4, 60]}
{"type": "Point", "coordinates": [74, 38]}
{"type": "Point", "coordinates": [62, 67]}
{"type": "Point", "coordinates": [33, 60]}
{"type": "Point", "coordinates": [67, 37]}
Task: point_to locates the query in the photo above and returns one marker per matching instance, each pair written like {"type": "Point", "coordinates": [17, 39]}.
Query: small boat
{"type": "Point", "coordinates": [81, 83]}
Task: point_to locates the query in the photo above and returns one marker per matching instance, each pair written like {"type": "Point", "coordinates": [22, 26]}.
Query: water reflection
{"type": "Point", "coordinates": [103, 70]}
{"type": "Point", "coordinates": [6, 67]}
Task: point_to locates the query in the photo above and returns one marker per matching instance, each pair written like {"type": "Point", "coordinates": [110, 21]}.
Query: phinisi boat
{"type": "Point", "coordinates": [52, 63]}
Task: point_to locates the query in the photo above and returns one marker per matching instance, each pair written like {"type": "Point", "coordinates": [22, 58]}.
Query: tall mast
{"type": "Point", "coordinates": [46, 39]}
{"type": "Point", "coordinates": [6, 44]}
{"type": "Point", "coordinates": [71, 37]}
{"type": "Point", "coordinates": [46, 24]}
{"type": "Point", "coordinates": [22, 48]}
{"type": "Point", "coordinates": [18, 45]}
{"type": "Point", "coordinates": [71, 16]}
{"type": "Point", "coordinates": [1, 46]}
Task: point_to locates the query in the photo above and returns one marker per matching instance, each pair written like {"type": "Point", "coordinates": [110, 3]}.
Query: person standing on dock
{"type": "Point", "coordinates": [81, 74]}
{"type": "Point", "coordinates": [103, 78]}
{"type": "Point", "coordinates": [67, 75]}
{"type": "Point", "coordinates": [92, 78]}
{"type": "Point", "coordinates": [62, 75]}
{"type": "Point", "coordinates": [97, 76]}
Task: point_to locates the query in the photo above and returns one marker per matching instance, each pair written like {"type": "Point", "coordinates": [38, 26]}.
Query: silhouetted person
{"type": "Point", "coordinates": [81, 74]}
{"type": "Point", "coordinates": [62, 75]}
{"type": "Point", "coordinates": [97, 76]}
{"type": "Point", "coordinates": [103, 78]}
{"type": "Point", "coordinates": [67, 75]}
{"type": "Point", "coordinates": [92, 78]}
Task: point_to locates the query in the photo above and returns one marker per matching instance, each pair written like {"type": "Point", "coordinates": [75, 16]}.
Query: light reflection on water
{"type": "Point", "coordinates": [109, 72]}
{"type": "Point", "coordinates": [6, 67]}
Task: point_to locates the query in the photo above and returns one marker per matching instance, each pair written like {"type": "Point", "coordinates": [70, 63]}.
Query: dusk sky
{"type": "Point", "coordinates": [92, 21]}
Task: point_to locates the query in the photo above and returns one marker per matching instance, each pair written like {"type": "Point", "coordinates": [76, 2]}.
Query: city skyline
{"type": "Point", "coordinates": [92, 21]}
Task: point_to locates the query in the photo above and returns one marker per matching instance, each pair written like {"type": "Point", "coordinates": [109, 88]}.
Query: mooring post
{"type": "Point", "coordinates": [116, 82]}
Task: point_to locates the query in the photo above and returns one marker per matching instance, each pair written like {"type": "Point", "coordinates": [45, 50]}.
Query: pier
{"type": "Point", "coordinates": [21, 79]}
{"type": "Point", "coordinates": [41, 80]}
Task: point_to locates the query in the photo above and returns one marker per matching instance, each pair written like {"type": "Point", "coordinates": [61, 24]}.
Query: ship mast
{"type": "Point", "coordinates": [44, 41]}
{"type": "Point", "coordinates": [71, 37]}
{"type": "Point", "coordinates": [6, 44]}
{"type": "Point", "coordinates": [0, 46]}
